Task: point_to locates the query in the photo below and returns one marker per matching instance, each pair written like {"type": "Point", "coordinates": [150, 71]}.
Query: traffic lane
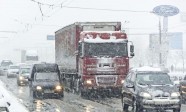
{"type": "Point", "coordinates": [71, 102]}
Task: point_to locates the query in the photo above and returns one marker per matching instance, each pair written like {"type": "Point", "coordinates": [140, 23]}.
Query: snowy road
{"type": "Point", "coordinates": [70, 103]}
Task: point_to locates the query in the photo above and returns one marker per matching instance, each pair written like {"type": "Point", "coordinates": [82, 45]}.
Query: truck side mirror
{"type": "Point", "coordinates": [132, 50]}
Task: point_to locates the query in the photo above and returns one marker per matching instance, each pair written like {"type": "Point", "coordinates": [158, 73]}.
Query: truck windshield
{"type": "Point", "coordinates": [105, 49]}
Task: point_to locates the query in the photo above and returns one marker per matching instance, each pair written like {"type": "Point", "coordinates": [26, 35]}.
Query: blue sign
{"type": "Point", "coordinates": [166, 10]}
{"type": "Point", "coordinates": [50, 37]}
{"type": "Point", "coordinates": [175, 40]}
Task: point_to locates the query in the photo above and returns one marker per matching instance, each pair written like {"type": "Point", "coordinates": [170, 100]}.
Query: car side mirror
{"type": "Point", "coordinates": [29, 79]}
{"type": "Point", "coordinates": [130, 86]}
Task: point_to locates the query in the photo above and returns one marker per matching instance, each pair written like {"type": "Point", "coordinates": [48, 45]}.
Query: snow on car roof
{"type": "Point", "coordinates": [147, 68]}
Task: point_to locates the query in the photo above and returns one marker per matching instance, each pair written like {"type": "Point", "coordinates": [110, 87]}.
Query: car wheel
{"type": "Point", "coordinates": [137, 107]}
{"type": "Point", "coordinates": [182, 100]}
{"type": "Point", "coordinates": [125, 107]}
{"type": "Point", "coordinates": [18, 83]}
{"type": "Point", "coordinates": [31, 96]}
{"type": "Point", "coordinates": [176, 110]}
{"type": "Point", "coordinates": [39, 95]}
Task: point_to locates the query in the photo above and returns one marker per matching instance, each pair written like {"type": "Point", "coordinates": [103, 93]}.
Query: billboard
{"type": "Point", "coordinates": [175, 40]}
{"type": "Point", "coordinates": [50, 37]}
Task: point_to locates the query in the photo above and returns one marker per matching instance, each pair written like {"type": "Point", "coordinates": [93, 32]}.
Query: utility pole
{"type": "Point", "coordinates": [160, 55]}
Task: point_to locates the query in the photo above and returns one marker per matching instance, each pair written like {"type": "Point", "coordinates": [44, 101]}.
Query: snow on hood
{"type": "Point", "coordinates": [159, 90]}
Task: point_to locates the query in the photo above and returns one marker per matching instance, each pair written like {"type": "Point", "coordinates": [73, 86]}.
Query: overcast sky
{"type": "Point", "coordinates": [28, 23]}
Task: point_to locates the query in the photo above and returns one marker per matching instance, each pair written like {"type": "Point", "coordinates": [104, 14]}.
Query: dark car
{"type": "Point", "coordinates": [182, 88]}
{"type": "Point", "coordinates": [147, 88]}
{"type": "Point", "coordinates": [44, 81]}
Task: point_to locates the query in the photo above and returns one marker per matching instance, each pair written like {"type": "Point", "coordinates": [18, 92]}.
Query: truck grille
{"type": "Point", "coordinates": [106, 80]}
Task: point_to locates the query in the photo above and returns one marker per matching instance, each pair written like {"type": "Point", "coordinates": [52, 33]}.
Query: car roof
{"type": "Point", "coordinates": [148, 69]}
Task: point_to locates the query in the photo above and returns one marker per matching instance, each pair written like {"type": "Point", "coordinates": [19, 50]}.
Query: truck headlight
{"type": "Point", "coordinates": [145, 95]}
{"type": "Point", "coordinates": [89, 82]}
{"type": "Point", "coordinates": [39, 88]}
{"type": "Point", "coordinates": [58, 87]}
{"type": "Point", "coordinates": [122, 81]}
{"type": "Point", "coordinates": [175, 95]}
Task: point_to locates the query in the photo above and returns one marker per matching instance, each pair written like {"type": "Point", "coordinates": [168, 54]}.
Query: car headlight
{"type": "Point", "coordinates": [183, 87]}
{"type": "Point", "coordinates": [21, 78]}
{"type": "Point", "coordinates": [38, 87]}
{"type": "Point", "coordinates": [145, 95]}
{"type": "Point", "coordinates": [175, 95]}
{"type": "Point", "coordinates": [58, 87]}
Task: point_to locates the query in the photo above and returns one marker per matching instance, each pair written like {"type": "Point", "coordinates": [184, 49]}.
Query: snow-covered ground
{"type": "Point", "coordinates": [9, 101]}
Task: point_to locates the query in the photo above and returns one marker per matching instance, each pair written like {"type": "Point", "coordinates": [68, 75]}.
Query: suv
{"type": "Point", "coordinates": [148, 88]}
{"type": "Point", "coordinates": [44, 81]}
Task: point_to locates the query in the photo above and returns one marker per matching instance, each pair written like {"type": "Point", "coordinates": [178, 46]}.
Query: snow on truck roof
{"type": "Point", "coordinates": [101, 32]}
{"type": "Point", "coordinates": [98, 39]}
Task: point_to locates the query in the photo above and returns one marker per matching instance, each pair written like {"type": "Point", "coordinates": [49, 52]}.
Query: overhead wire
{"type": "Point", "coordinates": [87, 8]}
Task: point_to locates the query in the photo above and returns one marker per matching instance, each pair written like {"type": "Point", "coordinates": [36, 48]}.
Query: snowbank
{"type": "Point", "coordinates": [7, 99]}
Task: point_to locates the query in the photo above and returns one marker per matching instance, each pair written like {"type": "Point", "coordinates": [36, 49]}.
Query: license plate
{"type": "Point", "coordinates": [161, 102]}
{"type": "Point", "coordinates": [48, 91]}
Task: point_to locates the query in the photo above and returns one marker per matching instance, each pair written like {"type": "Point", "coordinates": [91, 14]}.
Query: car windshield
{"type": "Point", "coordinates": [25, 70]}
{"type": "Point", "coordinates": [153, 78]}
{"type": "Point", "coordinates": [14, 67]}
{"type": "Point", "coordinates": [47, 76]}
{"type": "Point", "coordinates": [6, 63]}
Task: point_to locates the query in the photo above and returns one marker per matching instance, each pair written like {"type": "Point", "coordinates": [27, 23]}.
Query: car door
{"type": "Point", "coordinates": [128, 89]}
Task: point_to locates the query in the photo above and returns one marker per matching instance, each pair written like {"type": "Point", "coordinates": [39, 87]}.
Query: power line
{"type": "Point", "coordinates": [8, 31]}
{"type": "Point", "coordinates": [87, 8]}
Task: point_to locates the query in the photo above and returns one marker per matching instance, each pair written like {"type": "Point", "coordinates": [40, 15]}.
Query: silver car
{"type": "Point", "coordinates": [22, 77]}
{"type": "Point", "coordinates": [13, 71]}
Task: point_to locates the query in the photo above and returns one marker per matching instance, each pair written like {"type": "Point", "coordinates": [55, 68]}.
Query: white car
{"type": "Point", "coordinates": [3, 104]}
{"type": "Point", "coordinates": [13, 71]}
